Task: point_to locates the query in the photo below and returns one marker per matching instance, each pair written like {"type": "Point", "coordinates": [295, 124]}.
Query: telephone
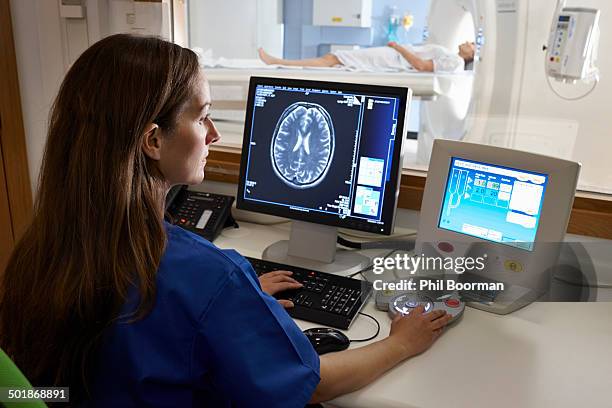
{"type": "Point", "coordinates": [205, 214]}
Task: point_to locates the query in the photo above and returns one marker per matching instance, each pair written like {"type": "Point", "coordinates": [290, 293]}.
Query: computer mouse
{"type": "Point", "coordinates": [325, 340]}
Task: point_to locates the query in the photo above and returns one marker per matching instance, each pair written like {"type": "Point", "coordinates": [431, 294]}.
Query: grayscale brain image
{"type": "Point", "coordinates": [303, 145]}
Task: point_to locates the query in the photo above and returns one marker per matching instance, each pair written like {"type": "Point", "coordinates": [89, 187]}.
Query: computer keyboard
{"type": "Point", "coordinates": [325, 299]}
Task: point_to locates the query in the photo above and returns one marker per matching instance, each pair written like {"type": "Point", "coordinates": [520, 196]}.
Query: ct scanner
{"type": "Point", "coordinates": [472, 107]}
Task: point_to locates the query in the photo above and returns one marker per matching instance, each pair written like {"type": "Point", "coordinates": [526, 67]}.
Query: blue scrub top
{"type": "Point", "coordinates": [212, 339]}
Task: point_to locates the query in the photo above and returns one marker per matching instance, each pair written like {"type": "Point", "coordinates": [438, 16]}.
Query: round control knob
{"type": "Point", "coordinates": [412, 304]}
{"type": "Point", "coordinates": [406, 303]}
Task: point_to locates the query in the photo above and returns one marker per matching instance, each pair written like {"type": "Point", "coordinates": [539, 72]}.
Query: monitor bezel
{"type": "Point", "coordinates": [390, 200]}
{"type": "Point", "coordinates": [555, 209]}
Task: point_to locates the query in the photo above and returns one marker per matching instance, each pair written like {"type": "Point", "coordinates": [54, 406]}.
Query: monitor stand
{"type": "Point", "coordinates": [314, 246]}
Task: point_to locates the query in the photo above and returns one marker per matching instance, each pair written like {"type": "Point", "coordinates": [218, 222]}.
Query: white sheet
{"type": "Point", "coordinates": [375, 59]}
{"type": "Point", "coordinates": [246, 63]}
{"type": "Point", "coordinates": [208, 61]}
{"type": "Point", "coordinates": [387, 59]}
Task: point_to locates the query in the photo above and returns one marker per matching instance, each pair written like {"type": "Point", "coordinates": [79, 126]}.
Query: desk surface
{"type": "Point", "coordinates": [544, 355]}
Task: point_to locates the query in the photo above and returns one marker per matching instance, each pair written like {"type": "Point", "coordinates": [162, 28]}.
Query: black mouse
{"type": "Point", "coordinates": [325, 340]}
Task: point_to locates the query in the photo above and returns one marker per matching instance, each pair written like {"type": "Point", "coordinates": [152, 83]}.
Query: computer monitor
{"type": "Point", "coordinates": [508, 207]}
{"type": "Point", "coordinates": [494, 203]}
{"type": "Point", "coordinates": [325, 155]}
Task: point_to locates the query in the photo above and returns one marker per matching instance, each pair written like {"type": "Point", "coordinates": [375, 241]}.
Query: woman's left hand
{"type": "Point", "coordinates": [278, 281]}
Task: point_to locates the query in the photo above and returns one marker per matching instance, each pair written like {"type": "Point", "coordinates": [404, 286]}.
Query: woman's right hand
{"type": "Point", "coordinates": [349, 370]}
{"type": "Point", "coordinates": [416, 332]}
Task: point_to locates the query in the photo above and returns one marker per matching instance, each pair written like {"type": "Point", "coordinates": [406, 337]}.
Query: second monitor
{"type": "Point", "coordinates": [326, 155]}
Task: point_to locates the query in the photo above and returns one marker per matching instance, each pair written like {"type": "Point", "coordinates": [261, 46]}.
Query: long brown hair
{"type": "Point", "coordinates": [97, 228]}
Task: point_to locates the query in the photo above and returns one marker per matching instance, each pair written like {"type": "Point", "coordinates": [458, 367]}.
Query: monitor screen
{"type": "Point", "coordinates": [493, 203]}
{"type": "Point", "coordinates": [323, 152]}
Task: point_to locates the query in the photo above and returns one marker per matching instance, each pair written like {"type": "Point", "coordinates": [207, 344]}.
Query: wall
{"type": "Point", "coordinates": [216, 25]}
{"type": "Point", "coordinates": [303, 40]}
{"type": "Point", "coordinates": [236, 28]}
{"type": "Point", "coordinates": [38, 45]}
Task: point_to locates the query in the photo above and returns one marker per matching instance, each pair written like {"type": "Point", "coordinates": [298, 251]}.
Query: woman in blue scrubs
{"type": "Point", "coordinates": [103, 296]}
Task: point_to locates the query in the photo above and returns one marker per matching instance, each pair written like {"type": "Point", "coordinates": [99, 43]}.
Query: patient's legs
{"type": "Point", "coordinates": [328, 60]}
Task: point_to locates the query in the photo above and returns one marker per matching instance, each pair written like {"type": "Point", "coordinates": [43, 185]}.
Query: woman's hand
{"type": "Point", "coordinates": [278, 281]}
{"type": "Point", "coordinates": [418, 331]}
{"type": "Point", "coordinates": [392, 44]}
{"type": "Point", "coordinates": [349, 370]}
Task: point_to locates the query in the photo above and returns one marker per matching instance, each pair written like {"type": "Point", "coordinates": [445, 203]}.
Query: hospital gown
{"type": "Point", "coordinates": [213, 339]}
{"type": "Point", "coordinates": [382, 59]}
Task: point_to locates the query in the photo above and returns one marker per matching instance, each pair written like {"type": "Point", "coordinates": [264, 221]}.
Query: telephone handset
{"type": "Point", "coordinates": [205, 214]}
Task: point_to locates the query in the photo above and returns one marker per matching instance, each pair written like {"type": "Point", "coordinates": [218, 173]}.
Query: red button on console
{"type": "Point", "coordinates": [452, 303]}
{"type": "Point", "coordinates": [446, 247]}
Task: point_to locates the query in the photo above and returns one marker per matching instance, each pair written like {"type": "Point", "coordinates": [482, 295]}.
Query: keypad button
{"type": "Point", "coordinates": [452, 303]}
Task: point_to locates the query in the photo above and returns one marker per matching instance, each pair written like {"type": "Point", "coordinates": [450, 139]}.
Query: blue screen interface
{"type": "Point", "coordinates": [320, 150]}
{"type": "Point", "coordinates": [494, 203]}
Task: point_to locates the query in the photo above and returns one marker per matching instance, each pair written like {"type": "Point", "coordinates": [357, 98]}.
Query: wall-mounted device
{"type": "Point", "coordinates": [85, 22]}
{"type": "Point", "coordinates": [573, 44]}
{"type": "Point", "coordinates": [71, 8]}
{"type": "Point", "coordinates": [140, 17]}
{"type": "Point", "coordinates": [342, 13]}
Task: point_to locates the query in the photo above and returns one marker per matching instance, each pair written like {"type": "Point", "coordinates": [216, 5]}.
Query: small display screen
{"type": "Point", "coordinates": [564, 19]}
{"type": "Point", "coordinates": [493, 203]}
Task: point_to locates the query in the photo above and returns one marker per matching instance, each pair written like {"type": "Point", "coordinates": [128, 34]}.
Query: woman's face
{"type": "Point", "coordinates": [184, 150]}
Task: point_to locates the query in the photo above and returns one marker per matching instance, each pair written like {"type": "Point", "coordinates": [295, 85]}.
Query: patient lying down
{"type": "Point", "coordinates": [394, 57]}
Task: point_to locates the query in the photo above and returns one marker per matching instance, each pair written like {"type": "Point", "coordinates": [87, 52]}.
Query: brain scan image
{"type": "Point", "coordinates": [302, 146]}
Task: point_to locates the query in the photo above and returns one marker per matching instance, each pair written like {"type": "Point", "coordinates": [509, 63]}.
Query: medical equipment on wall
{"type": "Point", "coordinates": [395, 21]}
{"type": "Point", "coordinates": [573, 47]}
{"type": "Point", "coordinates": [342, 13]}
{"type": "Point", "coordinates": [71, 9]}
{"type": "Point", "coordinates": [140, 17]}
{"type": "Point", "coordinates": [393, 24]}
{"type": "Point", "coordinates": [407, 21]}
{"type": "Point", "coordinates": [87, 21]}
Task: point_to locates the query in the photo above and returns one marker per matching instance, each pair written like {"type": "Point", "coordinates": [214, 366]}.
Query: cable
{"type": "Point", "coordinates": [367, 268]}
{"type": "Point", "coordinates": [577, 98]}
{"type": "Point", "coordinates": [371, 337]}
{"type": "Point", "coordinates": [403, 245]}
{"type": "Point", "coordinates": [369, 236]}
{"type": "Point", "coordinates": [349, 244]}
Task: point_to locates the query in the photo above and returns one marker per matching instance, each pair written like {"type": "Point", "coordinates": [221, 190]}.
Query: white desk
{"type": "Point", "coordinates": [544, 355]}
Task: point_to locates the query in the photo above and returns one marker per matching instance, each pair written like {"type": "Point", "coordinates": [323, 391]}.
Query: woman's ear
{"type": "Point", "coordinates": [151, 142]}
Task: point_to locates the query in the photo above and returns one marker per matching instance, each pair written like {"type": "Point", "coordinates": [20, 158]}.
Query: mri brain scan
{"type": "Point", "coordinates": [303, 145]}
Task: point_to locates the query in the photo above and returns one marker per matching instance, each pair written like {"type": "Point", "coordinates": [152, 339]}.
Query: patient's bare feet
{"type": "Point", "coordinates": [267, 58]}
